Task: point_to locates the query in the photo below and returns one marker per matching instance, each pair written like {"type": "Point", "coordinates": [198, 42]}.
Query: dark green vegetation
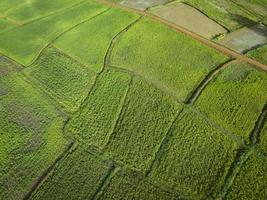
{"type": "Point", "coordinates": [235, 98]}
{"type": "Point", "coordinates": [100, 103]}
{"type": "Point", "coordinates": [161, 56]}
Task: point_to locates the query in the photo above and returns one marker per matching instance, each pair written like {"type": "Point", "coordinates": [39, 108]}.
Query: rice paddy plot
{"type": "Point", "coordinates": [260, 54]}
{"type": "Point", "coordinates": [78, 176]}
{"type": "Point", "coordinates": [225, 12]}
{"type": "Point", "coordinates": [172, 61]}
{"type": "Point", "coordinates": [250, 183]}
{"type": "Point", "coordinates": [62, 78]}
{"type": "Point", "coordinates": [195, 159]}
{"type": "Point", "coordinates": [130, 185]}
{"type": "Point", "coordinates": [5, 5]}
{"type": "Point", "coordinates": [96, 120]}
{"type": "Point", "coordinates": [235, 98]}
{"type": "Point", "coordinates": [255, 6]}
{"type": "Point", "coordinates": [144, 122]}
{"type": "Point", "coordinates": [34, 9]}
{"type": "Point", "coordinates": [89, 42]}
{"type": "Point", "coordinates": [189, 18]}
{"type": "Point", "coordinates": [4, 25]}
{"type": "Point", "coordinates": [246, 38]}
{"type": "Point", "coordinates": [25, 43]}
{"type": "Point", "coordinates": [142, 4]}
{"type": "Point", "coordinates": [8, 67]}
{"type": "Point", "coordinates": [30, 136]}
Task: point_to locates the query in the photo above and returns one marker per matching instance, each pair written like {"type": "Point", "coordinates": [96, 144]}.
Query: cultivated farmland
{"type": "Point", "coordinates": [125, 99]}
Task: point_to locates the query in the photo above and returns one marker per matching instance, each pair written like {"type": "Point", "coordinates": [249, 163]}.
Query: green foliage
{"type": "Point", "coordinates": [97, 118]}
{"type": "Point", "coordinates": [259, 54]}
{"type": "Point", "coordinates": [225, 12]}
{"type": "Point", "coordinates": [77, 177]}
{"type": "Point", "coordinates": [63, 78]}
{"type": "Point", "coordinates": [142, 126]}
{"type": "Point", "coordinates": [263, 139]}
{"type": "Point", "coordinates": [4, 25]}
{"type": "Point", "coordinates": [235, 98]}
{"type": "Point", "coordinates": [30, 136]}
{"type": "Point", "coordinates": [34, 9]}
{"type": "Point", "coordinates": [130, 185]}
{"type": "Point", "coordinates": [172, 61]}
{"type": "Point", "coordinates": [94, 36]}
{"type": "Point", "coordinates": [7, 67]}
{"type": "Point", "coordinates": [250, 183]}
{"type": "Point", "coordinates": [196, 157]}
{"type": "Point", "coordinates": [25, 42]}
{"type": "Point", "coordinates": [8, 4]}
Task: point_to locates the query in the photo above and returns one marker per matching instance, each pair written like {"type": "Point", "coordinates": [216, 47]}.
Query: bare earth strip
{"type": "Point", "coordinates": [189, 18]}
{"type": "Point", "coordinates": [246, 38]}
{"type": "Point", "coordinates": [201, 39]}
{"type": "Point", "coordinates": [142, 4]}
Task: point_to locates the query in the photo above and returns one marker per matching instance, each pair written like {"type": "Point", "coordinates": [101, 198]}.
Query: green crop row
{"type": "Point", "coordinates": [30, 135]}
{"type": "Point", "coordinates": [196, 158]}
{"type": "Point", "coordinates": [63, 78]}
{"type": "Point", "coordinates": [96, 120]}
{"type": "Point", "coordinates": [235, 98]}
{"type": "Point", "coordinates": [263, 140]}
{"type": "Point", "coordinates": [250, 183]}
{"type": "Point", "coordinates": [130, 185]}
{"type": "Point", "coordinates": [77, 177]}
{"type": "Point", "coordinates": [145, 119]}
{"type": "Point", "coordinates": [88, 43]}
{"type": "Point", "coordinates": [24, 43]}
{"type": "Point", "coordinates": [172, 61]}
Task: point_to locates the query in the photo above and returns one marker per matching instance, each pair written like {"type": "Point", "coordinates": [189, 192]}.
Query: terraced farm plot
{"type": "Point", "coordinates": [195, 159]}
{"type": "Point", "coordinates": [142, 126]}
{"type": "Point", "coordinates": [246, 38]}
{"type": "Point", "coordinates": [170, 60]}
{"type": "Point", "coordinates": [77, 177]}
{"type": "Point", "coordinates": [250, 183]}
{"type": "Point", "coordinates": [35, 9]}
{"type": "Point", "coordinates": [8, 67]}
{"type": "Point", "coordinates": [226, 12]}
{"type": "Point", "coordinates": [24, 43]}
{"type": "Point", "coordinates": [129, 185]}
{"type": "Point", "coordinates": [62, 78]}
{"type": "Point", "coordinates": [235, 98]}
{"type": "Point", "coordinates": [30, 136]}
{"type": "Point", "coordinates": [256, 6]}
{"type": "Point", "coordinates": [259, 54]}
{"type": "Point", "coordinates": [94, 36]}
{"type": "Point", "coordinates": [96, 120]}
{"type": "Point", "coordinates": [4, 25]}
{"type": "Point", "coordinates": [142, 4]}
{"type": "Point", "coordinates": [189, 18]}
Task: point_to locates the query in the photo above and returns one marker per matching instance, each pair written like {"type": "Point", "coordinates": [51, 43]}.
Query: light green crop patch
{"type": "Point", "coordinates": [171, 60]}
{"type": "Point", "coordinates": [77, 177]}
{"type": "Point", "coordinates": [263, 139]}
{"type": "Point", "coordinates": [145, 119]}
{"type": "Point", "coordinates": [89, 42]}
{"type": "Point", "coordinates": [34, 9]}
{"type": "Point", "coordinates": [25, 43]}
{"type": "Point", "coordinates": [196, 158]}
{"type": "Point", "coordinates": [235, 98]}
{"type": "Point", "coordinates": [30, 136]}
{"type": "Point", "coordinates": [62, 78]}
{"type": "Point", "coordinates": [5, 5]}
{"type": "Point", "coordinates": [130, 185]}
{"type": "Point", "coordinates": [96, 120]}
{"type": "Point", "coordinates": [4, 25]}
{"type": "Point", "coordinates": [250, 183]}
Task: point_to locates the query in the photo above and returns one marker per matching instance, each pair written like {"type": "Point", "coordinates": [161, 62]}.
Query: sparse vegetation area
{"type": "Point", "coordinates": [113, 99]}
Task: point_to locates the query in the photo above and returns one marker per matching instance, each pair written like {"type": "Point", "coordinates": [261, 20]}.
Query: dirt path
{"type": "Point", "coordinates": [216, 46]}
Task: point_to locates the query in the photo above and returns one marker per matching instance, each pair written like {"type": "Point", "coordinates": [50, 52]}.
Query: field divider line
{"type": "Point", "coordinates": [204, 83]}
{"type": "Point", "coordinates": [255, 134]}
{"type": "Point", "coordinates": [163, 144]}
{"type": "Point", "coordinates": [218, 47]}
{"type": "Point", "coordinates": [70, 148]}
{"type": "Point", "coordinates": [241, 157]}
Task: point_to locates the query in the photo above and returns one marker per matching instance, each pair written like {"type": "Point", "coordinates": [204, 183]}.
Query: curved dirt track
{"type": "Point", "coordinates": [216, 46]}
